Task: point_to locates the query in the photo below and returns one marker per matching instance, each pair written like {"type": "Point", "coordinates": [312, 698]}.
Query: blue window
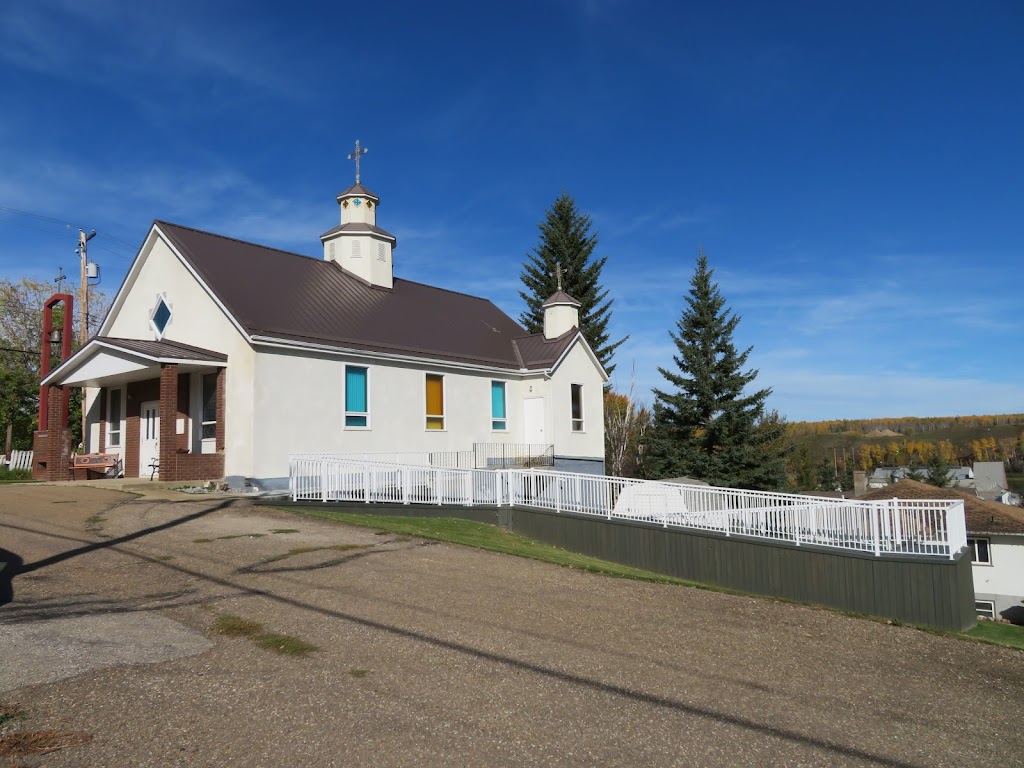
{"type": "Point", "coordinates": [161, 316]}
{"type": "Point", "coordinates": [498, 414]}
{"type": "Point", "coordinates": [357, 408]}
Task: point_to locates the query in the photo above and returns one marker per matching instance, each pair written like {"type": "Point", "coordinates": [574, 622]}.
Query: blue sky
{"type": "Point", "coordinates": [853, 170]}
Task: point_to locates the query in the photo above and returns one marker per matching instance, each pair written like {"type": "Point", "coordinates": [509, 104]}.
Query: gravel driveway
{"type": "Point", "coordinates": [432, 654]}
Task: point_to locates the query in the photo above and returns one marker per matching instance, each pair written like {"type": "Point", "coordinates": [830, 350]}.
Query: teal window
{"type": "Point", "coordinates": [498, 413]}
{"type": "Point", "coordinates": [357, 408]}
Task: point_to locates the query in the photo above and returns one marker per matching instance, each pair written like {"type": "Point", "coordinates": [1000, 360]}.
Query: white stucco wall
{"type": "Point", "coordinates": [299, 399]}
{"type": "Point", "coordinates": [1004, 578]}
{"type": "Point", "coordinates": [576, 368]}
{"type": "Point", "coordinates": [196, 319]}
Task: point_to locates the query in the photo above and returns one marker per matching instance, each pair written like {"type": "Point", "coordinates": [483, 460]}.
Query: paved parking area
{"type": "Point", "coordinates": [433, 654]}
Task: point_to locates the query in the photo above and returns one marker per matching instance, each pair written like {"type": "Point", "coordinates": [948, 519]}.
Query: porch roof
{"type": "Point", "coordinates": [107, 360]}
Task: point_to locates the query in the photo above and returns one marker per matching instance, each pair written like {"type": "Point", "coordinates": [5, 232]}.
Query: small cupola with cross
{"type": "Point", "coordinates": [358, 245]}
{"type": "Point", "coordinates": [561, 311]}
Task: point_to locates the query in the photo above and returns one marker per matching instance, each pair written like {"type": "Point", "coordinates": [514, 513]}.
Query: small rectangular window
{"type": "Point", "coordinates": [979, 551]}
{"type": "Point", "coordinates": [577, 407]}
{"type": "Point", "coordinates": [498, 415]}
{"type": "Point", "coordinates": [114, 419]}
{"type": "Point", "coordinates": [985, 608]}
{"type": "Point", "coordinates": [381, 253]}
{"type": "Point", "coordinates": [209, 415]}
{"type": "Point", "coordinates": [357, 408]}
{"type": "Point", "coordinates": [435, 401]}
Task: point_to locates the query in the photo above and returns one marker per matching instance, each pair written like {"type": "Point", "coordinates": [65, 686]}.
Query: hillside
{"type": "Point", "coordinates": [868, 443]}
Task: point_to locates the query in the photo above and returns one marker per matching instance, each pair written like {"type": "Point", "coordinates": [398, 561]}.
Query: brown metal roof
{"type": "Point", "coordinates": [982, 516]}
{"type": "Point", "coordinates": [287, 296]}
{"type": "Point", "coordinates": [560, 297]}
{"type": "Point", "coordinates": [165, 350]}
{"type": "Point", "coordinates": [538, 352]}
{"type": "Point", "coordinates": [356, 226]}
{"type": "Point", "coordinates": [358, 190]}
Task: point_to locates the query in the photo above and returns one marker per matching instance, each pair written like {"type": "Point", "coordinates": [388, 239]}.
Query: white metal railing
{"type": "Point", "coordinates": [513, 455]}
{"type": "Point", "coordinates": [331, 479]}
{"type": "Point", "coordinates": [910, 527]}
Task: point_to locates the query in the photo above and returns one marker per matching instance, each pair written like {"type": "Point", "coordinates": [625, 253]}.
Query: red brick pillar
{"type": "Point", "coordinates": [221, 374]}
{"type": "Point", "coordinates": [168, 420]}
{"type": "Point", "coordinates": [58, 448]}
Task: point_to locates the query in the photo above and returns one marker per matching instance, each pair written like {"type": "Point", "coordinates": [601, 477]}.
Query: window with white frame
{"type": "Point", "coordinates": [357, 397]}
{"type": "Point", "coordinates": [209, 401]}
{"type": "Point", "coordinates": [499, 411]}
{"type": "Point", "coordinates": [114, 419]}
{"type": "Point", "coordinates": [985, 608]}
{"type": "Point", "coordinates": [980, 554]}
{"type": "Point", "coordinates": [435, 401]}
{"type": "Point", "coordinates": [576, 397]}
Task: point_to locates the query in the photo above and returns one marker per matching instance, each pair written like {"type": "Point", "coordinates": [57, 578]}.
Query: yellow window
{"type": "Point", "coordinates": [435, 401]}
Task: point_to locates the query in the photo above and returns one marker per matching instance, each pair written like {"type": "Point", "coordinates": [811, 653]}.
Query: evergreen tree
{"type": "Point", "coordinates": [938, 471]}
{"type": "Point", "coordinates": [706, 426]}
{"type": "Point", "coordinates": [566, 241]}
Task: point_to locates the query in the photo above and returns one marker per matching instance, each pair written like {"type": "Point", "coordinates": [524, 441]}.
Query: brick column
{"type": "Point", "coordinates": [57, 433]}
{"type": "Point", "coordinates": [221, 375]}
{"type": "Point", "coordinates": [168, 417]}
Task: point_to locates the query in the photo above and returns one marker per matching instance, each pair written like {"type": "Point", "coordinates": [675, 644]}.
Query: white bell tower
{"type": "Point", "coordinates": [358, 244]}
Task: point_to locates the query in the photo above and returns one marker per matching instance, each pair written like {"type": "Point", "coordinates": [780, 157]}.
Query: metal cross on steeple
{"type": "Point", "coordinates": [360, 151]}
{"type": "Point", "coordinates": [558, 273]}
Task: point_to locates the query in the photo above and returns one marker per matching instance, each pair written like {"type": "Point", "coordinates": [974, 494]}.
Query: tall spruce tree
{"type": "Point", "coordinates": [707, 426]}
{"type": "Point", "coordinates": [566, 241]}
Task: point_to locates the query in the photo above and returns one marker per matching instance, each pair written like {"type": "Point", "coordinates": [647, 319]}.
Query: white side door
{"type": "Point", "coordinates": [149, 437]}
{"type": "Point", "coordinates": [533, 421]}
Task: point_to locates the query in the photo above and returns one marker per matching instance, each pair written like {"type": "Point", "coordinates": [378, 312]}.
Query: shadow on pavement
{"type": "Point", "coordinates": [10, 566]}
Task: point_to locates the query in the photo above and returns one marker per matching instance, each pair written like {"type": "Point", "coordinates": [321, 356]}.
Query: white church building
{"type": "Point", "coordinates": [219, 358]}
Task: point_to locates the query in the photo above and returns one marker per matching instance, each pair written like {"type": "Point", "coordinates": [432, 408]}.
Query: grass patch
{"type": "Point", "coordinates": [284, 644]}
{"type": "Point", "coordinates": [284, 530]}
{"type": "Point", "coordinates": [11, 713]}
{"type": "Point", "coordinates": [358, 672]}
{"type": "Point", "coordinates": [15, 475]}
{"type": "Point", "coordinates": [201, 541]}
{"type": "Point", "coordinates": [24, 743]}
{"type": "Point", "coordinates": [493, 539]}
{"type": "Point", "coordinates": [995, 633]}
{"type": "Point", "coordinates": [235, 626]}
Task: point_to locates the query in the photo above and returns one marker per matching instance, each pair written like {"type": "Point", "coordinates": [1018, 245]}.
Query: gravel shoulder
{"type": "Point", "coordinates": [432, 654]}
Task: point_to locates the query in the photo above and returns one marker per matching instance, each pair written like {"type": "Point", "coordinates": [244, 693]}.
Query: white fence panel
{"type": "Point", "coordinates": [897, 527]}
{"type": "Point", "coordinates": [19, 460]}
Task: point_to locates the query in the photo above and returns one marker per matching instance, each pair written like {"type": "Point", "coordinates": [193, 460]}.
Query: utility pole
{"type": "Point", "coordinates": [83, 240]}
{"type": "Point", "coordinates": [83, 298]}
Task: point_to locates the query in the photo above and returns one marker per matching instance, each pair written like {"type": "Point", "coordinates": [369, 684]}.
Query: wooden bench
{"type": "Point", "coordinates": [102, 464]}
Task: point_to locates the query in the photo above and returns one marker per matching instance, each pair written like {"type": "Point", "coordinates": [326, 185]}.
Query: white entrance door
{"type": "Point", "coordinates": [149, 436]}
{"type": "Point", "coordinates": [533, 421]}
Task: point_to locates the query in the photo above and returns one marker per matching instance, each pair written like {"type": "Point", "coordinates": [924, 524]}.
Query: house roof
{"type": "Point", "coordinates": [274, 294]}
{"type": "Point", "coordinates": [165, 350]}
{"type": "Point", "coordinates": [357, 190]}
{"type": "Point", "coordinates": [106, 357]}
{"type": "Point", "coordinates": [982, 516]}
{"type": "Point", "coordinates": [356, 226]}
{"type": "Point", "coordinates": [560, 297]}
